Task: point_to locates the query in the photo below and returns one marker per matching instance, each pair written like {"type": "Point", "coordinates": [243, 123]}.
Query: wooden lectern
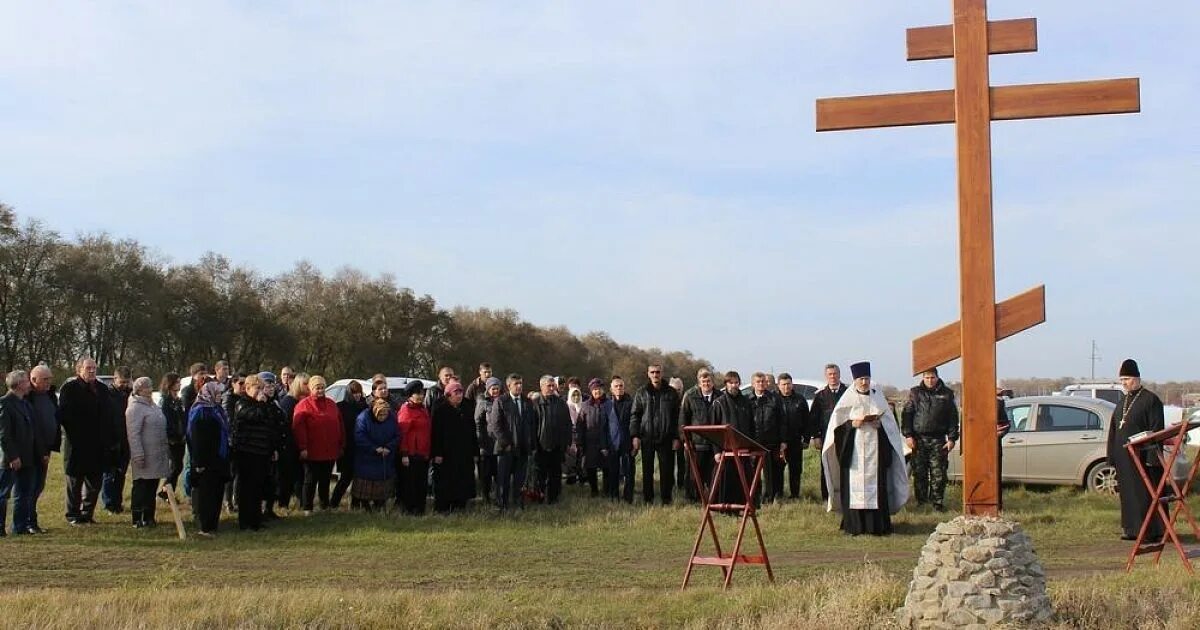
{"type": "Point", "coordinates": [734, 447]}
{"type": "Point", "coordinates": [1165, 492]}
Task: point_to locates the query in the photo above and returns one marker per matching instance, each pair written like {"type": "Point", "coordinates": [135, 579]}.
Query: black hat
{"type": "Point", "coordinates": [414, 387]}
{"type": "Point", "coordinates": [861, 369]}
{"type": "Point", "coordinates": [1129, 368]}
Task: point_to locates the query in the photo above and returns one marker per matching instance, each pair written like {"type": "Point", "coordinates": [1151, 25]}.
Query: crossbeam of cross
{"type": "Point", "coordinates": [971, 106]}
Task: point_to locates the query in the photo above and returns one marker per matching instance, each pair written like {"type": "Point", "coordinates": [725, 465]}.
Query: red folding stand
{"type": "Point", "coordinates": [734, 446]}
{"type": "Point", "coordinates": [1158, 502]}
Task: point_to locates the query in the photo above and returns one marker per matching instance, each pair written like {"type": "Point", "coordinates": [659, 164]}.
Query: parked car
{"type": "Point", "coordinates": [337, 390]}
{"type": "Point", "coordinates": [1059, 440]}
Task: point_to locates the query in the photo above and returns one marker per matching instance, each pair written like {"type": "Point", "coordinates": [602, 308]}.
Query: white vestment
{"type": "Point", "coordinates": [863, 492]}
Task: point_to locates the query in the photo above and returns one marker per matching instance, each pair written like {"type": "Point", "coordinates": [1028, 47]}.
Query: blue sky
{"type": "Point", "coordinates": [648, 169]}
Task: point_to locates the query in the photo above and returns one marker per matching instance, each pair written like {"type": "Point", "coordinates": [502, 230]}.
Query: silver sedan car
{"type": "Point", "coordinates": [1059, 440]}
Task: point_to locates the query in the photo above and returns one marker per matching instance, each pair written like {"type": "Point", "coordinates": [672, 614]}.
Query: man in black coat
{"type": "Point", "coordinates": [771, 430]}
{"type": "Point", "coordinates": [735, 409]}
{"type": "Point", "coordinates": [796, 423]}
{"type": "Point", "coordinates": [697, 411]}
{"type": "Point", "coordinates": [824, 401]}
{"type": "Point", "coordinates": [1138, 410]}
{"type": "Point", "coordinates": [438, 391]}
{"type": "Point", "coordinates": [654, 425]}
{"type": "Point", "coordinates": [199, 374]}
{"type": "Point", "coordinates": [18, 453]}
{"type": "Point", "coordinates": [44, 401]}
{"type": "Point", "coordinates": [84, 411]}
{"type": "Point", "coordinates": [112, 489]}
{"type": "Point", "coordinates": [554, 433]}
{"type": "Point", "coordinates": [510, 424]}
{"type": "Point", "coordinates": [929, 424]}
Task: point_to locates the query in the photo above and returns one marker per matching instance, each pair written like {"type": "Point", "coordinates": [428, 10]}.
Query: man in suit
{"type": "Point", "coordinates": [18, 453]}
{"type": "Point", "coordinates": [822, 410]}
{"type": "Point", "coordinates": [510, 424]}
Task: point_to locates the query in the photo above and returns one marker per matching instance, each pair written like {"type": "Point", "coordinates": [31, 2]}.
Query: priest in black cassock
{"type": "Point", "coordinates": [867, 476]}
{"type": "Point", "coordinates": [1138, 410]}
{"type": "Point", "coordinates": [734, 409]}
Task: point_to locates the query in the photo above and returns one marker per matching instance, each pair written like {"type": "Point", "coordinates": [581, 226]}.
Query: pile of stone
{"type": "Point", "coordinates": [976, 571]}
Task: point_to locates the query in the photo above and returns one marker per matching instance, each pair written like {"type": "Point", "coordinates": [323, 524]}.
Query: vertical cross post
{"type": "Point", "coordinates": [977, 270]}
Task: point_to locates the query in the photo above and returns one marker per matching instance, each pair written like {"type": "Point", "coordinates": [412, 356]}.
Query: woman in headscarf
{"type": "Point", "coordinates": [455, 447]}
{"type": "Point", "coordinates": [208, 443]}
{"type": "Point", "coordinates": [317, 426]}
{"type": "Point", "coordinates": [868, 480]}
{"type": "Point", "coordinates": [376, 435]}
{"type": "Point", "coordinates": [572, 459]}
{"type": "Point", "coordinates": [149, 454]}
{"type": "Point", "coordinates": [255, 439]}
{"type": "Point", "coordinates": [176, 417]}
{"type": "Point", "coordinates": [349, 409]}
{"type": "Point", "coordinates": [415, 438]}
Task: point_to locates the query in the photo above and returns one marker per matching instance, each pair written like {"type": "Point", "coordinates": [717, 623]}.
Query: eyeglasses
{"type": "Point", "coordinates": [656, 371]}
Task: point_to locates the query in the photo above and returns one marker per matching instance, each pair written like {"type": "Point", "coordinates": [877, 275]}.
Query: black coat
{"type": "Point", "coordinates": [254, 427]}
{"type": "Point", "coordinates": [85, 415]}
{"type": "Point", "coordinates": [655, 416]}
{"type": "Point", "coordinates": [119, 450]}
{"type": "Point", "coordinates": [46, 427]}
{"type": "Point", "coordinates": [188, 395]}
{"type": "Point", "coordinates": [349, 410]}
{"type": "Point", "coordinates": [592, 431]}
{"type": "Point", "coordinates": [770, 427]}
{"type": "Point", "coordinates": [796, 420]}
{"type": "Point", "coordinates": [698, 412]}
{"type": "Point", "coordinates": [176, 415]}
{"type": "Point", "coordinates": [453, 439]}
{"type": "Point", "coordinates": [511, 430]}
{"type": "Point", "coordinates": [737, 411]}
{"type": "Point", "coordinates": [554, 427]}
{"type": "Point", "coordinates": [930, 412]}
{"type": "Point", "coordinates": [18, 439]}
{"type": "Point", "coordinates": [822, 409]}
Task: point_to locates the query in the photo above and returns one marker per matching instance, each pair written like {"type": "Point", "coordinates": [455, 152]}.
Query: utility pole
{"type": "Point", "coordinates": [1095, 357]}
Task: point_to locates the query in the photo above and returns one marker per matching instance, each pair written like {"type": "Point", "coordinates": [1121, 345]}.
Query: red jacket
{"type": "Point", "coordinates": [416, 430]}
{"type": "Point", "coordinates": [317, 425]}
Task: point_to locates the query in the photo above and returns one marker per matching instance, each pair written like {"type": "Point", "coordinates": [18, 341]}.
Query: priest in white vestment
{"type": "Point", "coordinates": [863, 445]}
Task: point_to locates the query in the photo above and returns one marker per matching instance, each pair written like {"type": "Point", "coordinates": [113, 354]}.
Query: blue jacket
{"type": "Point", "coordinates": [370, 435]}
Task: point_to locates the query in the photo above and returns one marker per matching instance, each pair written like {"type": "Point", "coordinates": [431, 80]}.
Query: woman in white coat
{"type": "Point", "coordinates": [149, 453]}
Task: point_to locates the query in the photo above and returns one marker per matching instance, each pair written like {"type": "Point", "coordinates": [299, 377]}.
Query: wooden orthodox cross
{"type": "Point", "coordinates": [971, 106]}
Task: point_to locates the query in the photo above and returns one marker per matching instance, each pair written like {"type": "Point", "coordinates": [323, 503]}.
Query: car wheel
{"type": "Point", "coordinates": [1102, 478]}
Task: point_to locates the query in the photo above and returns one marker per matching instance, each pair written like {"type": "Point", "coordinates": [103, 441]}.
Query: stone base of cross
{"type": "Point", "coordinates": [971, 107]}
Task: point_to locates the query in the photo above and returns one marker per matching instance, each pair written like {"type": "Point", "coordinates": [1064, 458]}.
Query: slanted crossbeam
{"type": "Point", "coordinates": [1013, 315]}
{"type": "Point", "coordinates": [971, 107]}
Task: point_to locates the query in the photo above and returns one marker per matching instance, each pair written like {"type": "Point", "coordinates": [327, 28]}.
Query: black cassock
{"type": "Point", "coordinates": [856, 521]}
{"type": "Point", "coordinates": [453, 439]}
{"type": "Point", "coordinates": [734, 409]}
{"type": "Point", "coordinates": [1145, 413]}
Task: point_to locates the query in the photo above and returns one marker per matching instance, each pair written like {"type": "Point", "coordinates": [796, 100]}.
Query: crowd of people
{"type": "Point", "coordinates": [252, 443]}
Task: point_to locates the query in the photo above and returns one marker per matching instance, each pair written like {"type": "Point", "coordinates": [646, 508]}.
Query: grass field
{"type": "Point", "coordinates": [585, 563]}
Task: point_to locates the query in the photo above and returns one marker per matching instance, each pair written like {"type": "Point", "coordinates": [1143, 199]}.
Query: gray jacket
{"type": "Point", "coordinates": [147, 428]}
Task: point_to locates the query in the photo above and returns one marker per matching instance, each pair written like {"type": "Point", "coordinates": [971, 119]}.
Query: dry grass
{"type": "Point", "coordinates": [582, 564]}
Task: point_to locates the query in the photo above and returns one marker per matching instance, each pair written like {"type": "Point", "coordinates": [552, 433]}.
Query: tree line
{"type": "Point", "coordinates": [123, 304]}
